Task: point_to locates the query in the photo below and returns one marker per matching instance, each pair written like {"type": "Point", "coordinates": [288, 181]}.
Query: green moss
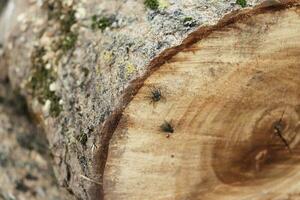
{"type": "Point", "coordinates": [82, 138]}
{"type": "Point", "coordinates": [242, 3]}
{"type": "Point", "coordinates": [55, 107]}
{"type": "Point", "coordinates": [40, 82]}
{"type": "Point", "coordinates": [68, 41]}
{"type": "Point", "coordinates": [65, 15]}
{"type": "Point", "coordinates": [69, 37]}
{"type": "Point", "coordinates": [68, 21]}
{"type": "Point", "coordinates": [101, 22]}
{"type": "Point", "coordinates": [152, 4]}
{"type": "Point", "coordinates": [187, 19]}
{"type": "Point", "coordinates": [66, 18]}
{"type": "Point", "coordinates": [189, 22]}
{"type": "Point", "coordinates": [41, 77]}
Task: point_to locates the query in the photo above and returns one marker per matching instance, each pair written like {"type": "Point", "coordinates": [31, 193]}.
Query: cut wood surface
{"type": "Point", "coordinates": [233, 102]}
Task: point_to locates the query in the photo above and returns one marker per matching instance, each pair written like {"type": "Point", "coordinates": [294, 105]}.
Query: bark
{"type": "Point", "coordinates": [89, 70]}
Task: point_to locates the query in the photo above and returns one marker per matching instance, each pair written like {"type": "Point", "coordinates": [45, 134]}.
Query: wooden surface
{"type": "Point", "coordinates": [226, 97]}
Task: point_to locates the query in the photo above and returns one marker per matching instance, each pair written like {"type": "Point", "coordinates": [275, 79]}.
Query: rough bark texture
{"type": "Point", "coordinates": [79, 62]}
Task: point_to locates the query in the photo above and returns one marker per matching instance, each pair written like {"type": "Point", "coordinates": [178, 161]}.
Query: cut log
{"type": "Point", "coordinates": [73, 61]}
{"type": "Point", "coordinates": [219, 120]}
{"type": "Point", "coordinates": [216, 117]}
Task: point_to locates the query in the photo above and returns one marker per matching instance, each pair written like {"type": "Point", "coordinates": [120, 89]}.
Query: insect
{"type": "Point", "coordinates": [155, 95]}
{"type": "Point", "coordinates": [167, 128]}
{"type": "Point", "coordinates": [278, 130]}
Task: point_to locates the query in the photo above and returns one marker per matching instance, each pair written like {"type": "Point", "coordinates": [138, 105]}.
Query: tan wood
{"type": "Point", "coordinates": [228, 98]}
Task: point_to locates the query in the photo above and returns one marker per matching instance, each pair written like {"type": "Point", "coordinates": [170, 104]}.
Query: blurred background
{"type": "Point", "coordinates": [25, 168]}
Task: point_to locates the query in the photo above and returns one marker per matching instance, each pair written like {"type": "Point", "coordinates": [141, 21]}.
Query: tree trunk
{"type": "Point", "coordinates": [185, 101]}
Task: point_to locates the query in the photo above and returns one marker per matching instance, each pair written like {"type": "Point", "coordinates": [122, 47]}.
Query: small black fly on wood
{"type": "Point", "coordinates": [155, 95]}
{"type": "Point", "coordinates": [167, 128]}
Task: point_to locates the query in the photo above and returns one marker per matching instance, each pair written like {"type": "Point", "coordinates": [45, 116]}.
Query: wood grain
{"type": "Point", "coordinates": [224, 96]}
